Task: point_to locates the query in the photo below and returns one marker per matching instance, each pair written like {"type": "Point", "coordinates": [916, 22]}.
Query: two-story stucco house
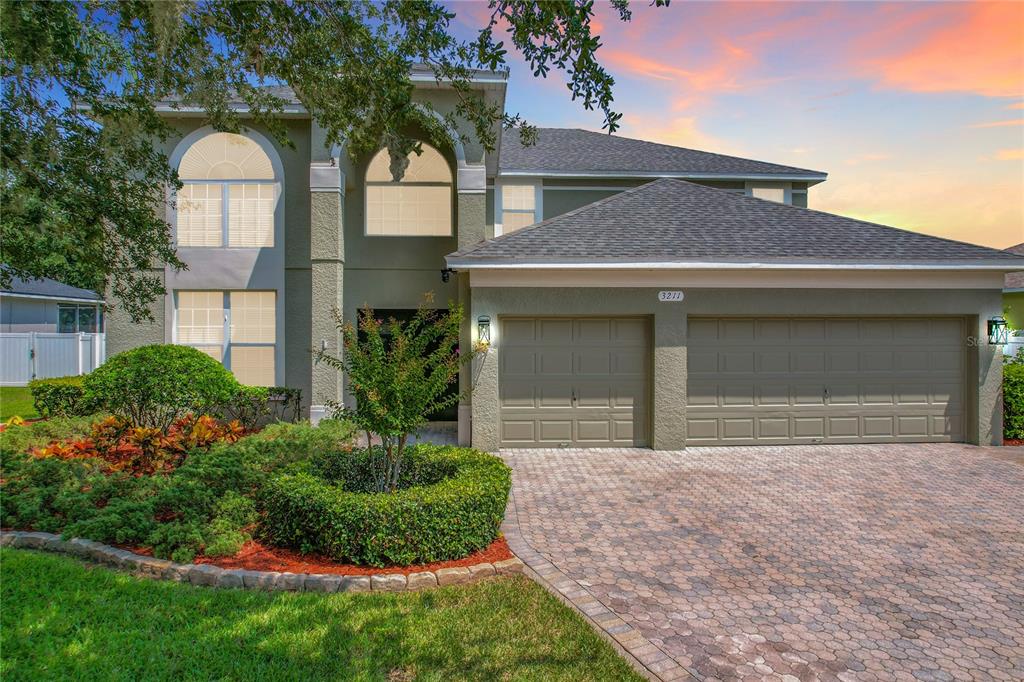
{"type": "Point", "coordinates": [633, 293]}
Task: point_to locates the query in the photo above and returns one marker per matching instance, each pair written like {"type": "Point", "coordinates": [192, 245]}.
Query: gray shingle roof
{"type": "Point", "coordinates": [571, 150]}
{"type": "Point", "coordinates": [1015, 280]}
{"type": "Point", "coordinates": [48, 287]}
{"type": "Point", "coordinates": [673, 221]}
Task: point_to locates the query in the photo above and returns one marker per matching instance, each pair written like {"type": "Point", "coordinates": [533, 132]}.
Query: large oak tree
{"type": "Point", "coordinates": [82, 174]}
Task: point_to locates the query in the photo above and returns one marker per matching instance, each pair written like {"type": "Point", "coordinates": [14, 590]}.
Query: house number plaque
{"type": "Point", "coordinates": [670, 296]}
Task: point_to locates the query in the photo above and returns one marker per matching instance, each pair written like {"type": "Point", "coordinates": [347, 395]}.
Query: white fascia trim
{"type": "Point", "coordinates": [462, 265]}
{"type": "Point", "coordinates": [287, 110]}
{"type": "Point", "coordinates": [814, 178]}
{"type": "Point", "coordinates": [56, 299]}
{"type": "Point", "coordinates": [429, 78]}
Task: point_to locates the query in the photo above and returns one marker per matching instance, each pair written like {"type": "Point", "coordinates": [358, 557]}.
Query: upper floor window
{"type": "Point", "coordinates": [777, 194]}
{"type": "Point", "coordinates": [518, 207]}
{"type": "Point", "coordinates": [420, 205]}
{"type": "Point", "coordinates": [229, 193]}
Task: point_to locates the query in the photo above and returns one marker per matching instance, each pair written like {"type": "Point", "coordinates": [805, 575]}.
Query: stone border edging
{"type": "Point", "coordinates": [215, 576]}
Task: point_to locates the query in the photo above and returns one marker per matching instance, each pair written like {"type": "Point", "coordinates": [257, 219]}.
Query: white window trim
{"type": "Point", "coordinates": [538, 201]}
{"type": "Point", "coordinates": [226, 342]}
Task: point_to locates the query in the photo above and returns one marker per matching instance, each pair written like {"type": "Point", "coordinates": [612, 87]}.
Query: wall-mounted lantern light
{"type": "Point", "coordinates": [446, 275]}
{"type": "Point", "coordinates": [998, 333]}
{"type": "Point", "coordinates": [483, 328]}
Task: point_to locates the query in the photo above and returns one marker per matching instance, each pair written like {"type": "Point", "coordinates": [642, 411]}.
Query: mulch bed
{"type": "Point", "coordinates": [255, 556]}
{"type": "Point", "coordinates": [1013, 441]}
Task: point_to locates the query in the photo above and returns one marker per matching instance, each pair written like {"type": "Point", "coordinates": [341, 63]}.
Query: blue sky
{"type": "Point", "coordinates": [914, 108]}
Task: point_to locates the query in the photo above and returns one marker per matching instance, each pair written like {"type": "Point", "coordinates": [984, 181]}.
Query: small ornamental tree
{"type": "Point", "coordinates": [398, 373]}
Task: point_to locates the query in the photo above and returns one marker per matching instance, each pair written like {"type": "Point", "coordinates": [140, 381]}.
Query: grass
{"type": "Point", "coordinates": [16, 400]}
{"type": "Point", "coordinates": [62, 619]}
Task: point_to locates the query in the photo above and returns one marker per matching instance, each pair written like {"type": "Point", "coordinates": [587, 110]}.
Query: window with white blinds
{"type": "Point", "coordinates": [777, 194]}
{"type": "Point", "coordinates": [420, 205]}
{"type": "Point", "coordinates": [237, 328]}
{"type": "Point", "coordinates": [229, 194]}
{"type": "Point", "coordinates": [518, 207]}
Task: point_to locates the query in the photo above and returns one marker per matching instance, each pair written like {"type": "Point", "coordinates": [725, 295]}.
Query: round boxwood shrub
{"type": "Point", "coordinates": [453, 508]}
{"type": "Point", "coordinates": [152, 386]}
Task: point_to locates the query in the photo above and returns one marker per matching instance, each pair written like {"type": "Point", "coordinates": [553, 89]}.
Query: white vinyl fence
{"type": "Point", "coordinates": [39, 355]}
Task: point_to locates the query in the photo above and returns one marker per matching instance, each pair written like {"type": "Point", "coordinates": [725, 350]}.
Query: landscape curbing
{"type": "Point", "coordinates": [214, 576]}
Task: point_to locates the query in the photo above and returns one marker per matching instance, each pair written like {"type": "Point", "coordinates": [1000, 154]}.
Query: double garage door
{"type": "Point", "coordinates": [805, 380]}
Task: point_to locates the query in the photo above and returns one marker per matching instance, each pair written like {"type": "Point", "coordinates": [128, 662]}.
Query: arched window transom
{"type": "Point", "coordinates": [229, 193]}
{"type": "Point", "coordinates": [418, 206]}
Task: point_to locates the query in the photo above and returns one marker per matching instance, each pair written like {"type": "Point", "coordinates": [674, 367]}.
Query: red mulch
{"type": "Point", "coordinates": [258, 557]}
{"type": "Point", "coordinates": [1013, 441]}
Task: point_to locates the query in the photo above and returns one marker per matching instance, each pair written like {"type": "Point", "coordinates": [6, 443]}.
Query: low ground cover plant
{"type": "Point", "coordinates": [205, 504]}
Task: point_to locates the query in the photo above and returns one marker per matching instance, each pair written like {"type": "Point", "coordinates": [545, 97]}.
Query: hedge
{"type": "Point", "coordinates": [1013, 400]}
{"type": "Point", "coordinates": [449, 519]}
{"type": "Point", "coordinates": [60, 397]}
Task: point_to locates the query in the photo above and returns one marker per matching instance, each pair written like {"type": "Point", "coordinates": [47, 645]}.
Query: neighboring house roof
{"type": "Point", "coordinates": [575, 152]}
{"type": "Point", "coordinates": [1015, 280]}
{"type": "Point", "coordinates": [48, 288]}
{"type": "Point", "coordinates": [673, 223]}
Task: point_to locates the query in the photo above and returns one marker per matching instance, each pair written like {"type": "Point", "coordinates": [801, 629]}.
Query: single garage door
{"type": "Point", "coordinates": [833, 380]}
{"type": "Point", "coordinates": [574, 381]}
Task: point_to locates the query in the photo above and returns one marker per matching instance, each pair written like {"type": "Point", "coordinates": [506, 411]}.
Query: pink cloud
{"type": "Point", "coordinates": [998, 124]}
{"type": "Point", "coordinates": [976, 48]}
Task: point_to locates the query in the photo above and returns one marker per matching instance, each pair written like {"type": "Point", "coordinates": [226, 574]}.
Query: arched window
{"type": "Point", "coordinates": [229, 193]}
{"type": "Point", "coordinates": [418, 206]}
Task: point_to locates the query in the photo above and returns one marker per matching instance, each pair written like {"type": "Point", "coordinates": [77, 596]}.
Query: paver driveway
{"type": "Point", "coordinates": [817, 562]}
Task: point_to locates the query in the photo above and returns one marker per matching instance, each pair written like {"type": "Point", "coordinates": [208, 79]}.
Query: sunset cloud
{"type": "Point", "coordinates": [1010, 154]}
{"type": "Point", "coordinates": [978, 51]}
{"type": "Point", "coordinates": [999, 124]}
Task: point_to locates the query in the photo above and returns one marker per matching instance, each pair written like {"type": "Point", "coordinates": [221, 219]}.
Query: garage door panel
{"type": "Point", "coordinates": [519, 362]}
{"type": "Point", "coordinates": [840, 361]}
{"type": "Point", "coordinates": [702, 330]}
{"type": "Point", "coordinates": [518, 394]}
{"type": "Point", "coordinates": [886, 380]}
{"type": "Point", "coordinates": [574, 381]}
{"type": "Point", "coordinates": [736, 361]}
{"type": "Point", "coordinates": [812, 361]}
{"type": "Point", "coordinates": [774, 428]}
{"type": "Point", "coordinates": [555, 361]}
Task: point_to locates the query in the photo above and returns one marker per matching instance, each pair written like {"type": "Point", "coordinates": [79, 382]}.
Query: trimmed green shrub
{"type": "Point", "coordinates": [1013, 400]}
{"type": "Point", "coordinates": [152, 386]}
{"type": "Point", "coordinates": [60, 397]}
{"type": "Point", "coordinates": [451, 518]}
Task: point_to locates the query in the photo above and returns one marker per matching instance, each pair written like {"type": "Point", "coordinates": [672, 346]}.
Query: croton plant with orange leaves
{"type": "Point", "coordinates": [143, 451]}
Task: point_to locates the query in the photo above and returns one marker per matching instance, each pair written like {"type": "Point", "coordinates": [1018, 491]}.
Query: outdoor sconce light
{"type": "Point", "coordinates": [483, 328]}
{"type": "Point", "coordinates": [997, 331]}
{"type": "Point", "coordinates": [446, 274]}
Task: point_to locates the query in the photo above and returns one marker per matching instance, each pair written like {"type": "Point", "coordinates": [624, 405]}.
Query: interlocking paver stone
{"type": "Point", "coordinates": [841, 562]}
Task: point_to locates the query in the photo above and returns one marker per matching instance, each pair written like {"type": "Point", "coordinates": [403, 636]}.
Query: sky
{"type": "Point", "coordinates": [915, 109]}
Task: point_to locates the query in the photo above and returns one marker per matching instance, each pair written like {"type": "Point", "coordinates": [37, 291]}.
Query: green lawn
{"type": "Point", "coordinates": [16, 400]}
{"type": "Point", "coordinates": [62, 620]}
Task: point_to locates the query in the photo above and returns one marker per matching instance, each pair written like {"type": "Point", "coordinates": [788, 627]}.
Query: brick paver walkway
{"type": "Point", "coordinates": [901, 562]}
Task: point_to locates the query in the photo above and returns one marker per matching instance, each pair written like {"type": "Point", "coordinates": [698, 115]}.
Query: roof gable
{"type": "Point", "coordinates": [571, 150]}
{"type": "Point", "coordinates": [671, 221]}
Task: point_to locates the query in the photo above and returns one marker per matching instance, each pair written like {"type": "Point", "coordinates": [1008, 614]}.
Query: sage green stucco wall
{"type": "Point", "coordinates": [123, 334]}
{"type": "Point", "coordinates": [983, 375]}
{"type": "Point", "coordinates": [559, 201]}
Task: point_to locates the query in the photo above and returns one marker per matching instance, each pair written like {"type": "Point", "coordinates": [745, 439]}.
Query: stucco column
{"type": "Point", "coordinates": [327, 254]}
{"type": "Point", "coordinates": [987, 361]}
{"type": "Point", "coordinates": [668, 424]}
{"type": "Point", "coordinates": [472, 219]}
